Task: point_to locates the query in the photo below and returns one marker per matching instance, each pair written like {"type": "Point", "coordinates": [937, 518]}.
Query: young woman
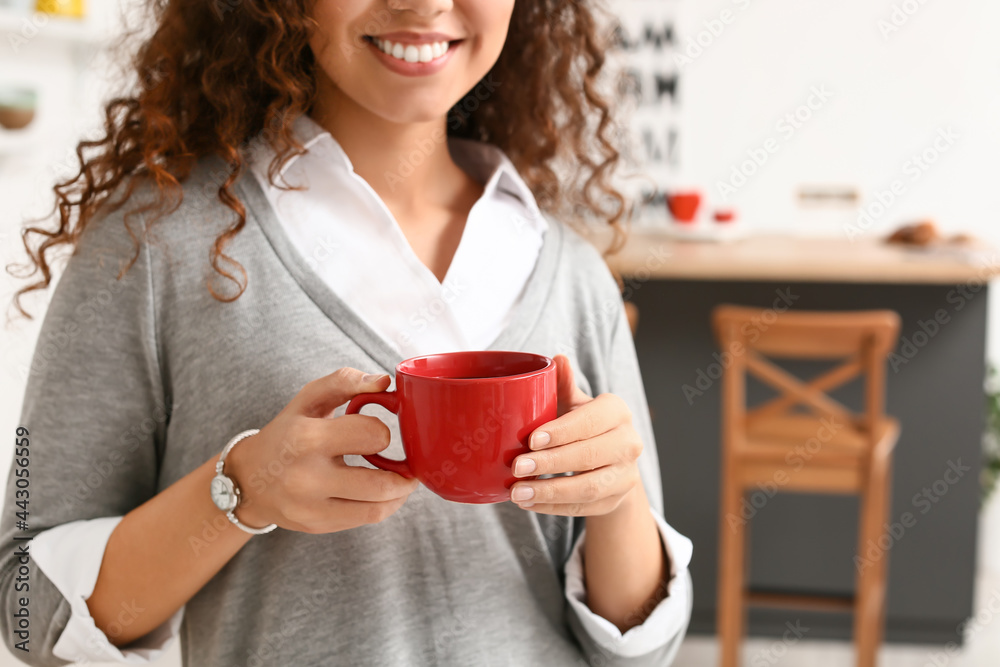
{"type": "Point", "coordinates": [296, 197]}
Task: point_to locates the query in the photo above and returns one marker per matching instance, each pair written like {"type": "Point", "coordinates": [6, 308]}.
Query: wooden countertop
{"type": "Point", "coordinates": [652, 253]}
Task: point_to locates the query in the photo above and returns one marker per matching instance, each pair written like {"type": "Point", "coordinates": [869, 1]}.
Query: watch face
{"type": "Point", "coordinates": [222, 493]}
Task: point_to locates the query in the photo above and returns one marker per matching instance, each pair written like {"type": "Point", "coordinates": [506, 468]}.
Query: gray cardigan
{"type": "Point", "coordinates": [143, 379]}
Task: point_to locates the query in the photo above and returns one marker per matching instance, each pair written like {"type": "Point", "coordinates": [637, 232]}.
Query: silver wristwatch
{"type": "Point", "coordinates": [225, 493]}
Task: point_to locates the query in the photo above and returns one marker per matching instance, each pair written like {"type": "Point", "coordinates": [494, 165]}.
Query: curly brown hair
{"type": "Point", "coordinates": [198, 94]}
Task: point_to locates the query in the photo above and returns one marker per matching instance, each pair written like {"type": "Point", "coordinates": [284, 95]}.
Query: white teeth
{"type": "Point", "coordinates": [412, 53]}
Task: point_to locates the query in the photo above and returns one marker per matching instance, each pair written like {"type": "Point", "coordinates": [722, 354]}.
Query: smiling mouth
{"type": "Point", "coordinates": [412, 53]}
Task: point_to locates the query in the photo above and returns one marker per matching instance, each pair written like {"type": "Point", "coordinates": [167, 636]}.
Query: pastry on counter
{"type": "Point", "coordinates": [925, 233]}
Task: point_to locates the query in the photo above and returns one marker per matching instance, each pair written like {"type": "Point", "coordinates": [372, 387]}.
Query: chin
{"type": "Point", "coordinates": [406, 112]}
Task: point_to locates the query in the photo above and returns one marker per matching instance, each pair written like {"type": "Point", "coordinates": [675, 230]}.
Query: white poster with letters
{"type": "Point", "coordinates": [644, 43]}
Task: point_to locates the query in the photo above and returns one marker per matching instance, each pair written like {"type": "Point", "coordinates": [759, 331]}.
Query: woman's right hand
{"type": "Point", "coordinates": [292, 473]}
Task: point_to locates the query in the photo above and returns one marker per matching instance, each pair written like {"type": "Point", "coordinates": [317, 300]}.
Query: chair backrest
{"type": "Point", "coordinates": [862, 338]}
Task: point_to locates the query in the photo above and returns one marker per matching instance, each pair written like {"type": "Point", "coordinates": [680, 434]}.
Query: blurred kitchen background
{"type": "Point", "coordinates": [838, 120]}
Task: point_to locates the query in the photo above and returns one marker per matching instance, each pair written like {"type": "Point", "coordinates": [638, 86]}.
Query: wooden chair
{"type": "Point", "coordinates": [839, 451]}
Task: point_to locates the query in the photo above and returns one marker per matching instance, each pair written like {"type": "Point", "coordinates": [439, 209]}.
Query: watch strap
{"type": "Point", "coordinates": [253, 531]}
{"type": "Point", "coordinates": [219, 465]}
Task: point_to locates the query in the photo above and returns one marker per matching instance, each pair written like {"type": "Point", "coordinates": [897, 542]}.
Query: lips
{"type": "Point", "coordinates": [412, 37]}
{"type": "Point", "coordinates": [413, 59]}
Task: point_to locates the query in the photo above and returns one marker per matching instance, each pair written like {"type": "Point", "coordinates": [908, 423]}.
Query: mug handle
{"type": "Point", "coordinates": [390, 401]}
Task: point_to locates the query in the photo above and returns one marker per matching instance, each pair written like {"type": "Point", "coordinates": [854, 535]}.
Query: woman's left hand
{"type": "Point", "coordinates": [593, 438]}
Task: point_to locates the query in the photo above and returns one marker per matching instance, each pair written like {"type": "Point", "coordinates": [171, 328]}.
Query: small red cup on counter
{"type": "Point", "coordinates": [724, 215]}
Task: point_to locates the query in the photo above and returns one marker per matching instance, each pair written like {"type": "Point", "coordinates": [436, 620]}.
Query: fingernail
{"type": "Point", "coordinates": [524, 466]}
{"type": "Point", "coordinates": [521, 493]}
{"type": "Point", "coordinates": [372, 377]}
{"type": "Point", "coordinates": [539, 439]}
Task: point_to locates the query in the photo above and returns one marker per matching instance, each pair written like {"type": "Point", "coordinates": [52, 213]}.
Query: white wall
{"type": "Point", "coordinates": [889, 98]}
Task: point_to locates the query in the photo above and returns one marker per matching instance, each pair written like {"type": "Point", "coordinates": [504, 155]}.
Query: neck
{"type": "Point", "coordinates": [407, 164]}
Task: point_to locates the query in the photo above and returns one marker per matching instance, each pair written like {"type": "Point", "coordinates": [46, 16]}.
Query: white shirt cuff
{"type": "Point", "coordinates": [70, 555]}
{"type": "Point", "coordinates": [669, 617]}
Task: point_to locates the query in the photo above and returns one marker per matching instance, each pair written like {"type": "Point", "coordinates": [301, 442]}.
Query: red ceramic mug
{"type": "Point", "coordinates": [464, 417]}
{"type": "Point", "coordinates": [684, 205]}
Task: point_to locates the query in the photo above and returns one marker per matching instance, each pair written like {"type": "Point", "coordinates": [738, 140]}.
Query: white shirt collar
{"type": "Point", "coordinates": [483, 161]}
